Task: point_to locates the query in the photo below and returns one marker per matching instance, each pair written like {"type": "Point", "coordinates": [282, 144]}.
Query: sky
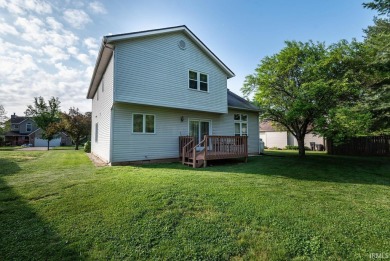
{"type": "Point", "coordinates": [49, 48]}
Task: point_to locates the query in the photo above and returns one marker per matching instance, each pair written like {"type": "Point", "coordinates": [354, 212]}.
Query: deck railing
{"type": "Point", "coordinates": [186, 143]}
{"type": "Point", "coordinates": [213, 147]}
{"type": "Point", "coordinates": [222, 147]}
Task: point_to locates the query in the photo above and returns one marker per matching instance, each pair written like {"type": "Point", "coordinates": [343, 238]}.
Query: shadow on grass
{"type": "Point", "coordinates": [314, 167]}
{"type": "Point", "coordinates": [23, 234]}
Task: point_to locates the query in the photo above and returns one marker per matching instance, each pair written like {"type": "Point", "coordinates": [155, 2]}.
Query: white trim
{"type": "Point", "coordinates": [240, 121]}
{"type": "Point", "coordinates": [198, 73]}
{"type": "Point", "coordinates": [143, 123]}
{"type": "Point", "coordinates": [30, 127]}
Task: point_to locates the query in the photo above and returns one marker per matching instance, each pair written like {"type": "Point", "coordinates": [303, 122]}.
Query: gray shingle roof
{"type": "Point", "coordinates": [17, 119]}
{"type": "Point", "coordinates": [235, 101]}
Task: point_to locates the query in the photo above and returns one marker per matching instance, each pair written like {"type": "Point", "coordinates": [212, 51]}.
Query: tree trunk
{"type": "Point", "coordinates": [48, 143]}
{"type": "Point", "coordinates": [301, 147]}
{"type": "Point", "coordinates": [76, 145]}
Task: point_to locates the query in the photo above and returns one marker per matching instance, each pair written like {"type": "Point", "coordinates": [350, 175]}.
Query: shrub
{"type": "Point", "coordinates": [292, 147]}
{"type": "Point", "coordinates": [87, 147]}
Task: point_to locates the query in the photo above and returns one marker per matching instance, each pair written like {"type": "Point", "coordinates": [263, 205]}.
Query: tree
{"type": "Point", "coordinates": [3, 119]}
{"type": "Point", "coordinates": [76, 125]}
{"type": "Point", "coordinates": [382, 6]}
{"type": "Point", "coordinates": [377, 42]}
{"type": "Point", "coordinates": [302, 83]}
{"type": "Point", "coordinates": [46, 116]}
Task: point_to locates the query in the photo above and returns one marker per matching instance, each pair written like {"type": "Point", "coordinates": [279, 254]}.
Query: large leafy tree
{"type": "Point", "coordinates": [46, 116]}
{"type": "Point", "coordinates": [377, 43]}
{"type": "Point", "coordinates": [76, 124]}
{"type": "Point", "coordinates": [303, 83]}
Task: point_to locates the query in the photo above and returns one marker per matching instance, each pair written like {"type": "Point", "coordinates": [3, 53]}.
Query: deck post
{"type": "Point", "coordinates": [205, 151]}
{"type": "Point", "coordinates": [194, 157]}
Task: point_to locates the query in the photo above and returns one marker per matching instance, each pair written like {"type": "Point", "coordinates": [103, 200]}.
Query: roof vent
{"type": "Point", "coordinates": [182, 44]}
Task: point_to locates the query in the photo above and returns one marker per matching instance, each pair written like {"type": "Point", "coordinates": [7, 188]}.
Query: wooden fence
{"type": "Point", "coordinates": [362, 146]}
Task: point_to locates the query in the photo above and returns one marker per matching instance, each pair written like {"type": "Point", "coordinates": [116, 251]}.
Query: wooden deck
{"type": "Point", "coordinates": [212, 148]}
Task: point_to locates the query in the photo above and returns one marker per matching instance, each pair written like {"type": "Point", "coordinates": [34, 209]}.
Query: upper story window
{"type": "Point", "coordinates": [198, 81]}
{"type": "Point", "coordinates": [28, 127]}
{"type": "Point", "coordinates": [240, 124]}
{"type": "Point", "coordinates": [143, 123]}
{"type": "Point", "coordinates": [15, 126]}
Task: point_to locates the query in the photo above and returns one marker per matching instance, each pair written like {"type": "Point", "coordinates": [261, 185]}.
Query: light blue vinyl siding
{"type": "Point", "coordinates": [101, 114]}
{"type": "Point", "coordinates": [128, 146]}
{"type": "Point", "coordinates": [153, 70]}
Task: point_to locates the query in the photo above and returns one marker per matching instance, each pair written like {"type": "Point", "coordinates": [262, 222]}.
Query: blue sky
{"type": "Point", "coordinates": [49, 48]}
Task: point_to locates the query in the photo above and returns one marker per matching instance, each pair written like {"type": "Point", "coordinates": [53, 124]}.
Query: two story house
{"type": "Point", "coordinates": [21, 128]}
{"type": "Point", "coordinates": [151, 87]}
{"type": "Point", "coordinates": [25, 131]}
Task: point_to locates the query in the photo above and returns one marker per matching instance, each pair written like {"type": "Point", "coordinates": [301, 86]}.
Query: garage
{"type": "Point", "coordinates": [43, 143]}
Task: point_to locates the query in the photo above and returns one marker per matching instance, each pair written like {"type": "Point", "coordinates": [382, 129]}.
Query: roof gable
{"type": "Point", "coordinates": [109, 41]}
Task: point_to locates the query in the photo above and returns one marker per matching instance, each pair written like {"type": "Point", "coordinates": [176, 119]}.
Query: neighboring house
{"type": "Point", "coordinates": [274, 138]}
{"type": "Point", "coordinates": [25, 131]}
{"type": "Point", "coordinates": [149, 88]}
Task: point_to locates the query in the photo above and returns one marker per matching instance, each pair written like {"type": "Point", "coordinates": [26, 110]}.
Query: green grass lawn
{"type": "Point", "coordinates": [55, 205]}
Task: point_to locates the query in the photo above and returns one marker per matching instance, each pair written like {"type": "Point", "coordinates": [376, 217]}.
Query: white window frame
{"type": "Point", "coordinates": [198, 80]}
{"type": "Point", "coordinates": [28, 123]}
{"type": "Point", "coordinates": [144, 123]}
{"type": "Point", "coordinates": [240, 121]}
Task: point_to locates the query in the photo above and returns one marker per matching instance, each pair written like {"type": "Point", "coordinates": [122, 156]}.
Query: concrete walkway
{"type": "Point", "coordinates": [96, 161]}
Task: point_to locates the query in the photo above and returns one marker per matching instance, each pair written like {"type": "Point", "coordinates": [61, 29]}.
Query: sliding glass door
{"type": "Point", "coordinates": [199, 128]}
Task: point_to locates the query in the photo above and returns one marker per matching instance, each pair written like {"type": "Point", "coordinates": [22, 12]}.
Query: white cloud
{"type": "Point", "coordinates": [40, 7]}
{"type": "Point", "coordinates": [55, 54]}
{"type": "Point", "coordinates": [91, 43]}
{"type": "Point", "coordinates": [15, 66]}
{"type": "Point", "coordinates": [73, 50]}
{"type": "Point", "coordinates": [7, 29]}
{"type": "Point", "coordinates": [34, 31]}
{"type": "Point", "coordinates": [93, 53]}
{"type": "Point", "coordinates": [43, 55]}
{"type": "Point", "coordinates": [76, 18]}
{"type": "Point", "coordinates": [53, 23]}
{"type": "Point", "coordinates": [84, 58]}
{"type": "Point", "coordinates": [22, 6]}
{"type": "Point", "coordinates": [97, 7]}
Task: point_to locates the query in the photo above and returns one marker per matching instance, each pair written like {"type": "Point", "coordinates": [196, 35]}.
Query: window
{"type": "Point", "coordinates": [198, 81]}
{"type": "Point", "coordinates": [240, 124]}
{"type": "Point", "coordinates": [96, 132]}
{"type": "Point", "coordinates": [28, 127]}
{"type": "Point", "coordinates": [143, 123]}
